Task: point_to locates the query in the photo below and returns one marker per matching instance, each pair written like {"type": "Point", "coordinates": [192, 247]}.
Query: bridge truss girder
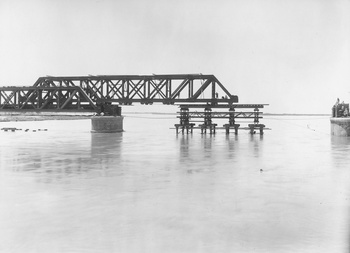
{"type": "Point", "coordinates": [93, 93]}
{"type": "Point", "coordinates": [45, 98]}
{"type": "Point", "coordinates": [146, 89]}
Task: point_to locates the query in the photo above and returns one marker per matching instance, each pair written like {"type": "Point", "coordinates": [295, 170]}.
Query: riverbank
{"type": "Point", "coordinates": [30, 116]}
{"type": "Point", "coordinates": [42, 118]}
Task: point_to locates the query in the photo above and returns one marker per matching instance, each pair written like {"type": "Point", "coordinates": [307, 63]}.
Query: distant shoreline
{"type": "Point", "coordinates": [265, 114]}
{"type": "Point", "coordinates": [38, 117]}
{"type": "Point", "coordinates": [297, 114]}
{"type": "Point", "coordinates": [41, 118]}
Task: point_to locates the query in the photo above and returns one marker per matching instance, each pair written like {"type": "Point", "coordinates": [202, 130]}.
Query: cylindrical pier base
{"type": "Point", "coordinates": [107, 124]}
{"type": "Point", "coordinates": [340, 126]}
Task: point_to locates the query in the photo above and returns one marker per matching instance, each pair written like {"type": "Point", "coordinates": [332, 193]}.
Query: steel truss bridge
{"type": "Point", "coordinates": [106, 93]}
{"type": "Point", "coordinates": [93, 93]}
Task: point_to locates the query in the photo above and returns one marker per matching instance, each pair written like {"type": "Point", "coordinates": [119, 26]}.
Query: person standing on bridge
{"type": "Point", "coordinates": [335, 109]}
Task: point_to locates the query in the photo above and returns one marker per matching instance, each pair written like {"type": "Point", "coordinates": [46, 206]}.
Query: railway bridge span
{"type": "Point", "coordinates": [93, 93]}
{"type": "Point", "coordinates": [105, 94]}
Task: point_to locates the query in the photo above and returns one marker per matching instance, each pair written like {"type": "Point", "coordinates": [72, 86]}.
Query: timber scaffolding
{"type": "Point", "coordinates": [105, 94]}
{"type": "Point", "coordinates": [187, 118]}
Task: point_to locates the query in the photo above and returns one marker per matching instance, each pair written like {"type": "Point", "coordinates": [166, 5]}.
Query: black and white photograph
{"type": "Point", "coordinates": [174, 126]}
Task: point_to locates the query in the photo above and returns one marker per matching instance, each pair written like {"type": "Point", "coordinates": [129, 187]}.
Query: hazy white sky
{"type": "Point", "coordinates": [291, 54]}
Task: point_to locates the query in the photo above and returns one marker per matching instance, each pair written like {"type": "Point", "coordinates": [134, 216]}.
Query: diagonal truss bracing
{"type": "Point", "coordinates": [89, 92]}
{"type": "Point", "coordinates": [126, 89]}
{"type": "Point", "coordinates": [45, 98]}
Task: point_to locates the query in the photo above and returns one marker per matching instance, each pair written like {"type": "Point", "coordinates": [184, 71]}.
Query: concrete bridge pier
{"type": "Point", "coordinates": [340, 126]}
{"type": "Point", "coordinates": [107, 124]}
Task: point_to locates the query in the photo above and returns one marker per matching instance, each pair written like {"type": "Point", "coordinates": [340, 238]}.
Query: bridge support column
{"type": "Point", "coordinates": [340, 126]}
{"type": "Point", "coordinates": [228, 126]}
{"type": "Point", "coordinates": [107, 124]}
{"type": "Point", "coordinates": [256, 126]}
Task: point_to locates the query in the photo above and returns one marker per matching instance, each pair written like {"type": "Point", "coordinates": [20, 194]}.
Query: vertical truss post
{"type": "Point", "coordinates": [184, 116]}
{"type": "Point", "coordinates": [261, 129]}
{"type": "Point", "coordinates": [39, 99]}
{"type": "Point", "coordinates": [232, 116]}
{"type": "Point", "coordinates": [168, 94]}
{"type": "Point", "coordinates": [185, 124]}
{"type": "Point", "coordinates": [207, 116]}
{"type": "Point", "coordinates": [251, 126]}
{"type": "Point", "coordinates": [78, 100]}
{"type": "Point", "coordinates": [208, 122]}
{"type": "Point", "coordinates": [190, 88]}
{"type": "Point", "coordinates": [232, 122]}
{"type": "Point", "coordinates": [256, 116]}
{"type": "Point", "coordinates": [15, 98]}
{"type": "Point", "coordinates": [213, 90]}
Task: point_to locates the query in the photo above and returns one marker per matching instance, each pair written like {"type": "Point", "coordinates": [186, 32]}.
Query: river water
{"type": "Point", "coordinates": [150, 190]}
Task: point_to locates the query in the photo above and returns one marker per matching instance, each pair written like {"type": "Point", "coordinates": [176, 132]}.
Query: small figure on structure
{"type": "Point", "coordinates": [336, 109]}
{"type": "Point", "coordinates": [341, 109]}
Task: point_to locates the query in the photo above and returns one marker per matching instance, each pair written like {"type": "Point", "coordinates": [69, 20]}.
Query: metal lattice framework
{"type": "Point", "coordinates": [224, 115]}
{"type": "Point", "coordinates": [45, 98]}
{"type": "Point", "coordinates": [126, 89]}
{"type": "Point", "coordinates": [88, 92]}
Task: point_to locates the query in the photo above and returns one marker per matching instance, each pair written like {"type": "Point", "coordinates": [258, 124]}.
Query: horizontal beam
{"type": "Point", "coordinates": [223, 106]}
{"type": "Point", "coordinates": [224, 117]}
{"type": "Point", "coordinates": [128, 77]}
{"type": "Point", "coordinates": [48, 110]}
{"type": "Point", "coordinates": [164, 100]}
{"type": "Point", "coordinates": [33, 88]}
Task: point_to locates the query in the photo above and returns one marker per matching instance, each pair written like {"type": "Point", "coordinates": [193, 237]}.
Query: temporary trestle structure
{"type": "Point", "coordinates": [188, 118]}
{"type": "Point", "coordinates": [94, 93]}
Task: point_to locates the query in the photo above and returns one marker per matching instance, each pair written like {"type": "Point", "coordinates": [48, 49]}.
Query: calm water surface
{"type": "Point", "coordinates": [148, 190]}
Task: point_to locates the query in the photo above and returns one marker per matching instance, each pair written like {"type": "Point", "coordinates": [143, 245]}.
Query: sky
{"type": "Point", "coordinates": [291, 54]}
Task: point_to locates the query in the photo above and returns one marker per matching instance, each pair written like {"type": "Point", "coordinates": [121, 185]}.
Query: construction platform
{"type": "Point", "coordinates": [235, 112]}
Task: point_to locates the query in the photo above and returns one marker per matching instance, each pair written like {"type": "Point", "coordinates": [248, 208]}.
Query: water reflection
{"type": "Point", "coordinates": [184, 148]}
{"type": "Point", "coordinates": [198, 153]}
{"type": "Point", "coordinates": [106, 147]}
{"type": "Point", "coordinates": [54, 157]}
{"type": "Point", "coordinates": [340, 147]}
{"type": "Point", "coordinates": [232, 142]}
{"type": "Point", "coordinates": [106, 153]}
{"type": "Point", "coordinates": [256, 144]}
{"type": "Point", "coordinates": [184, 199]}
{"type": "Point", "coordinates": [207, 143]}
{"type": "Point", "coordinates": [340, 143]}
